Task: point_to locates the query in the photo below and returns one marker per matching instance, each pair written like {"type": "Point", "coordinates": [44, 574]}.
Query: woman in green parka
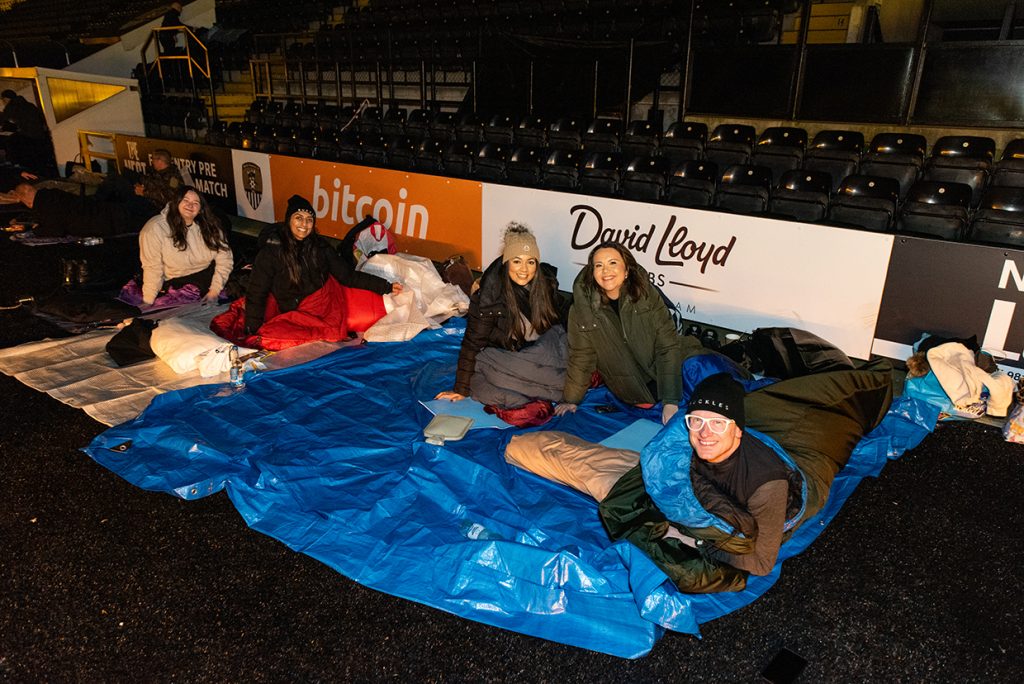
{"type": "Point", "coordinates": [620, 326]}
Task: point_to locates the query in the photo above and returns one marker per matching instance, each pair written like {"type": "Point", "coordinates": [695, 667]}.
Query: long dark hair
{"type": "Point", "coordinates": [541, 296]}
{"type": "Point", "coordinates": [634, 286]}
{"type": "Point", "coordinates": [209, 225]}
{"type": "Point", "coordinates": [300, 255]}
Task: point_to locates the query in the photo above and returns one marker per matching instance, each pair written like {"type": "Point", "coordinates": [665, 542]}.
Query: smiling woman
{"type": "Point", "coordinates": [620, 326]}
{"type": "Point", "coordinates": [514, 349]}
{"type": "Point", "coordinates": [184, 245]}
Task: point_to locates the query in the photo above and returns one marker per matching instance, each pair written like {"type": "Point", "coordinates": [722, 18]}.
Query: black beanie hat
{"type": "Point", "coordinates": [298, 203]}
{"type": "Point", "coordinates": [721, 394]}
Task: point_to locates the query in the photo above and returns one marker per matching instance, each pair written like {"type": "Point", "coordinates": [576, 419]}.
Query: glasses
{"type": "Point", "coordinates": [716, 425]}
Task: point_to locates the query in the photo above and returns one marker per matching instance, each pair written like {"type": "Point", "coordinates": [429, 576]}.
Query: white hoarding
{"type": "Point", "coordinates": [733, 271]}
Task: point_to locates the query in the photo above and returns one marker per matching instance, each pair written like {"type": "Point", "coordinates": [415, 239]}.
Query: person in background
{"type": "Point", "coordinates": [620, 326]}
{"type": "Point", "coordinates": [58, 213]}
{"type": "Point", "coordinates": [163, 179]}
{"type": "Point", "coordinates": [515, 330]}
{"type": "Point", "coordinates": [184, 244]}
{"type": "Point", "coordinates": [29, 143]}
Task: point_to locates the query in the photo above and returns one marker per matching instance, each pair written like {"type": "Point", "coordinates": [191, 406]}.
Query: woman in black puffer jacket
{"type": "Point", "coordinates": [295, 262]}
{"type": "Point", "coordinates": [514, 349]}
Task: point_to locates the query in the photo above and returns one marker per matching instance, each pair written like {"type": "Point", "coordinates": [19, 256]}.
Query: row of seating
{"type": "Point", "coordinates": [933, 208]}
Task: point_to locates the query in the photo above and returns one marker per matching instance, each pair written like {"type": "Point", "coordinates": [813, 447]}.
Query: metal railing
{"type": "Point", "coordinates": [85, 146]}
{"type": "Point", "coordinates": [194, 65]}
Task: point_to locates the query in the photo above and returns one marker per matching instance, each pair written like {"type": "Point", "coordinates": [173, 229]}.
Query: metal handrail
{"type": "Point", "coordinates": [88, 154]}
{"type": "Point", "coordinates": [160, 58]}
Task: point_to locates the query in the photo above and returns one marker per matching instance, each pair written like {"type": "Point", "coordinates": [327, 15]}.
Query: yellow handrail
{"type": "Point", "coordinates": [192, 62]}
{"type": "Point", "coordinates": [85, 147]}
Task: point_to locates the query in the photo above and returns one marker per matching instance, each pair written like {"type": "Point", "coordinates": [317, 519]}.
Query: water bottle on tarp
{"type": "Point", "coordinates": [237, 372]}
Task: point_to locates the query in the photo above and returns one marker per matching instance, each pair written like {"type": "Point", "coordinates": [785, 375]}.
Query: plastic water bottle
{"type": "Point", "coordinates": [237, 373]}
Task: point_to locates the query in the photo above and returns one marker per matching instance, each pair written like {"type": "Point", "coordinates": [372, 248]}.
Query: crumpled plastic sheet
{"type": "Point", "coordinates": [329, 458]}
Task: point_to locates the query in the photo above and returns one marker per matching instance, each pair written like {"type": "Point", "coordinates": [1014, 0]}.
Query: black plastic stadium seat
{"type": "Point", "coordinates": [895, 155]}
{"type": "Point", "coordinates": [644, 179]}
{"type": "Point", "coordinates": [565, 134]}
{"type": "Point", "coordinates": [523, 167]}
{"type": "Point", "coordinates": [1000, 218]}
{"type": "Point", "coordinates": [730, 144]}
{"type": "Point", "coordinates": [393, 123]}
{"type": "Point", "coordinates": [500, 129]}
{"type": "Point", "coordinates": [744, 189]}
{"type": "Point", "coordinates": [458, 158]}
{"type": "Point", "coordinates": [430, 156]}
{"type": "Point", "coordinates": [802, 195]}
{"type": "Point", "coordinates": [836, 153]}
{"type": "Point", "coordinates": [599, 173]}
{"type": "Point", "coordinates": [491, 160]}
{"type": "Point", "coordinates": [781, 149]}
{"type": "Point", "coordinates": [560, 170]}
{"type": "Point", "coordinates": [867, 202]}
{"type": "Point", "coordinates": [937, 209]}
{"type": "Point", "coordinates": [962, 159]}
{"type": "Point", "coordinates": [531, 131]}
{"type": "Point", "coordinates": [639, 140]}
{"type": "Point", "coordinates": [470, 128]}
{"type": "Point", "coordinates": [692, 184]}
{"type": "Point", "coordinates": [684, 140]}
{"type": "Point", "coordinates": [602, 135]}
{"type": "Point", "coordinates": [417, 123]}
{"type": "Point", "coordinates": [1009, 171]}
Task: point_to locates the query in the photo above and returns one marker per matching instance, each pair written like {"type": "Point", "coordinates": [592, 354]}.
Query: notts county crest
{"type": "Point", "coordinates": [252, 177]}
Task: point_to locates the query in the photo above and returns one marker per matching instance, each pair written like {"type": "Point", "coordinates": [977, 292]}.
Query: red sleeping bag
{"type": "Point", "coordinates": [329, 314]}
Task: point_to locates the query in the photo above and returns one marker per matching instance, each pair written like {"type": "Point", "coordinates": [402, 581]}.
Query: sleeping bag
{"type": "Point", "coordinates": [329, 315]}
{"type": "Point", "coordinates": [813, 422]}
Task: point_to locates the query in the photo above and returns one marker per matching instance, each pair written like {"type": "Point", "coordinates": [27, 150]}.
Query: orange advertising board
{"type": "Point", "coordinates": [430, 216]}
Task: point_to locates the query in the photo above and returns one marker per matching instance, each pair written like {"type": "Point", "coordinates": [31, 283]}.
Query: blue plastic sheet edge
{"type": "Point", "coordinates": [328, 458]}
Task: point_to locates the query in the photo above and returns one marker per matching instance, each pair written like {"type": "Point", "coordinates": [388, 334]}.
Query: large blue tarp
{"type": "Point", "coordinates": [328, 457]}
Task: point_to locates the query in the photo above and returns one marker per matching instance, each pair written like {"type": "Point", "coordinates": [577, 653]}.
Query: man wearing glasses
{"type": "Point", "coordinates": [742, 469]}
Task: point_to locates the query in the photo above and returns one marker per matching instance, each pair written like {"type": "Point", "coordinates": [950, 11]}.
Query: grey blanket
{"type": "Point", "coordinates": [507, 379]}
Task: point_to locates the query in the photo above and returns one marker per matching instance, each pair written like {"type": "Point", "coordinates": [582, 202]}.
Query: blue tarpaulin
{"type": "Point", "coordinates": [328, 457]}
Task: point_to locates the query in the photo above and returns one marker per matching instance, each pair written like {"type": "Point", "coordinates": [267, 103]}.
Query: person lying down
{"type": "Point", "coordinates": [716, 493]}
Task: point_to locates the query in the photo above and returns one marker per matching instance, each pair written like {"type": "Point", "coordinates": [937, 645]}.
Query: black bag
{"type": "Point", "coordinates": [791, 352]}
{"type": "Point", "coordinates": [132, 343]}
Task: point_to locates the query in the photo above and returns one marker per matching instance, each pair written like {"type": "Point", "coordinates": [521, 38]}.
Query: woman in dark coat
{"type": "Point", "coordinates": [620, 326]}
{"type": "Point", "coordinates": [513, 351]}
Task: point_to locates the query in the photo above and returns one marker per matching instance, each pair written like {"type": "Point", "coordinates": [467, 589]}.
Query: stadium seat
{"type": "Point", "coordinates": [836, 153]}
{"type": "Point", "coordinates": [683, 140]}
{"type": "Point", "coordinates": [639, 140]}
{"type": "Point", "coordinates": [560, 171]}
{"type": "Point", "coordinates": [744, 189]}
{"type": "Point", "coordinates": [417, 123]}
{"type": "Point", "coordinates": [565, 134]}
{"type": "Point", "coordinates": [531, 131]}
{"type": "Point", "coordinates": [430, 156]}
{"type": "Point", "coordinates": [692, 184]}
{"type": "Point", "coordinates": [458, 159]}
{"type": "Point", "coordinates": [895, 155]}
{"type": "Point", "coordinates": [500, 129]}
{"type": "Point", "coordinates": [937, 209]}
{"type": "Point", "coordinates": [442, 126]}
{"type": "Point", "coordinates": [644, 179]}
{"type": "Point", "coordinates": [599, 173]}
{"type": "Point", "coordinates": [370, 121]}
{"type": "Point", "coordinates": [781, 149]}
{"type": "Point", "coordinates": [523, 167]}
{"type": "Point", "coordinates": [401, 152]}
{"type": "Point", "coordinates": [730, 144]}
{"type": "Point", "coordinates": [491, 160]}
{"type": "Point", "coordinates": [393, 123]}
{"type": "Point", "coordinates": [802, 195]}
{"type": "Point", "coordinates": [470, 128]}
{"type": "Point", "coordinates": [962, 159]}
{"type": "Point", "coordinates": [1009, 170]}
{"type": "Point", "coordinates": [374, 149]}
{"type": "Point", "coordinates": [1000, 218]}
{"type": "Point", "coordinates": [602, 135]}
{"type": "Point", "coordinates": [867, 202]}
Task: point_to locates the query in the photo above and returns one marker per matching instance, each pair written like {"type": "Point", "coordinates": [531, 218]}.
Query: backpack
{"type": "Point", "coordinates": [363, 240]}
